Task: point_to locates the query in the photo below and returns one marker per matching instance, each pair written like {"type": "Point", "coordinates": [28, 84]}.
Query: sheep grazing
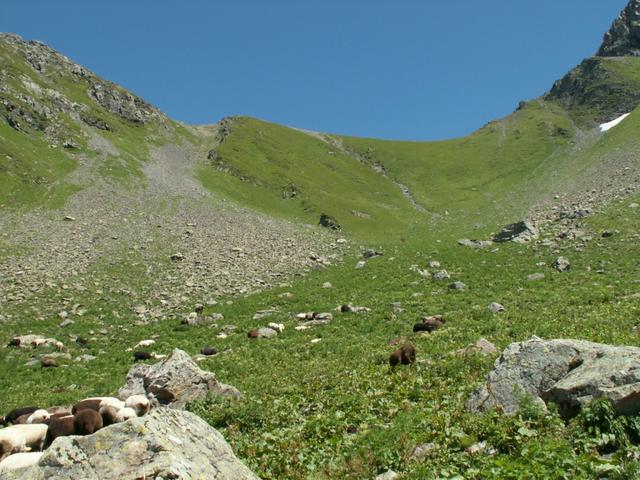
{"type": "Point", "coordinates": [87, 422]}
{"type": "Point", "coordinates": [125, 414]}
{"type": "Point", "coordinates": [108, 414]}
{"type": "Point", "coordinates": [138, 403]}
{"type": "Point", "coordinates": [94, 403]}
{"type": "Point", "coordinates": [253, 334]}
{"type": "Point", "coordinates": [145, 343]}
{"type": "Point", "coordinates": [13, 415]}
{"type": "Point", "coordinates": [405, 355]}
{"type": "Point", "coordinates": [139, 356]}
{"type": "Point", "coordinates": [20, 460]}
{"type": "Point", "coordinates": [39, 416]}
{"type": "Point", "coordinates": [59, 427]}
{"type": "Point", "coordinates": [34, 435]}
{"type": "Point", "coordinates": [209, 351]}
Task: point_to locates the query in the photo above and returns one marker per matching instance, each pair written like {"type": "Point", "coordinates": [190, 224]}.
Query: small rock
{"type": "Point", "coordinates": [421, 452]}
{"type": "Point", "coordinates": [495, 307]}
{"type": "Point", "coordinates": [327, 285]}
{"type": "Point", "coordinates": [481, 448]}
{"type": "Point", "coordinates": [177, 257]}
{"type": "Point", "coordinates": [360, 265]}
{"type": "Point", "coordinates": [316, 340]}
{"type": "Point", "coordinates": [535, 276]}
{"type": "Point", "coordinates": [388, 475]}
{"type": "Point", "coordinates": [477, 244]}
{"type": "Point", "coordinates": [66, 323]}
{"type": "Point", "coordinates": [69, 218]}
{"type": "Point", "coordinates": [259, 315]}
{"type": "Point", "coordinates": [350, 308]}
{"type": "Point", "coordinates": [371, 254]}
{"type": "Point", "coordinates": [441, 275]}
{"type": "Point", "coordinates": [84, 358]}
{"type": "Point", "coordinates": [457, 286]}
{"type": "Point", "coordinates": [434, 264]}
{"type": "Point", "coordinates": [561, 264]}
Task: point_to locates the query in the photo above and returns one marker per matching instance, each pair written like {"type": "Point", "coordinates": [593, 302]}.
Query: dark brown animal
{"type": "Point", "coordinates": [429, 324]}
{"type": "Point", "coordinates": [59, 427]}
{"type": "Point", "coordinates": [199, 308]}
{"type": "Point", "coordinates": [209, 351]}
{"type": "Point", "coordinates": [138, 356]}
{"type": "Point", "coordinates": [87, 422]}
{"type": "Point", "coordinates": [108, 414]}
{"type": "Point", "coordinates": [13, 415]}
{"type": "Point", "coordinates": [22, 419]}
{"type": "Point", "coordinates": [405, 355]}
{"type": "Point", "coordinates": [87, 404]}
{"type": "Point", "coordinates": [14, 342]}
{"type": "Point", "coordinates": [48, 362]}
{"type": "Point", "coordinates": [253, 334]}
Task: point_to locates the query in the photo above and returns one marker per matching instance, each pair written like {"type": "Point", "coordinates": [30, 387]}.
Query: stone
{"type": "Point", "coordinates": [422, 451]}
{"type": "Point", "coordinates": [477, 244]}
{"type": "Point", "coordinates": [623, 38]}
{"type": "Point", "coordinates": [350, 308]}
{"type": "Point", "coordinates": [66, 323]}
{"type": "Point", "coordinates": [163, 444]}
{"type": "Point", "coordinates": [434, 264]}
{"type": "Point", "coordinates": [519, 232]}
{"type": "Point", "coordinates": [388, 475]}
{"type": "Point", "coordinates": [266, 332]}
{"type": "Point", "coordinates": [328, 221]}
{"type": "Point", "coordinates": [369, 253]}
{"type": "Point", "coordinates": [457, 286]}
{"type": "Point", "coordinates": [360, 265]}
{"type": "Point", "coordinates": [174, 381]}
{"type": "Point", "coordinates": [84, 358]}
{"type": "Point", "coordinates": [569, 373]}
{"type": "Point", "coordinates": [483, 347]}
{"type": "Point", "coordinates": [327, 285]}
{"type": "Point", "coordinates": [535, 276]}
{"type": "Point", "coordinates": [495, 308]}
{"type": "Point", "coordinates": [260, 314]}
{"type": "Point", "coordinates": [441, 275]}
{"type": "Point", "coordinates": [561, 264]}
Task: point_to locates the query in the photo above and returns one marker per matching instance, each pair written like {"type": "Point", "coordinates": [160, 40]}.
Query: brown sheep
{"type": "Point", "coordinates": [253, 334]}
{"type": "Point", "coordinates": [108, 414]}
{"type": "Point", "coordinates": [13, 415]}
{"type": "Point", "coordinates": [138, 356]}
{"type": "Point", "coordinates": [405, 355]}
{"type": "Point", "coordinates": [429, 324]}
{"type": "Point", "coordinates": [87, 422]}
{"type": "Point", "coordinates": [59, 427]}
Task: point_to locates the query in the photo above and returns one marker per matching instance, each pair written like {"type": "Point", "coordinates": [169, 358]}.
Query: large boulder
{"type": "Point", "coordinates": [519, 232]}
{"type": "Point", "coordinates": [569, 373]}
{"type": "Point", "coordinates": [174, 381]}
{"type": "Point", "coordinates": [161, 445]}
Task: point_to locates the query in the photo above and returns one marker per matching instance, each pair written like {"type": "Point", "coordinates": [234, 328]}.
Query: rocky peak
{"type": "Point", "coordinates": [623, 38]}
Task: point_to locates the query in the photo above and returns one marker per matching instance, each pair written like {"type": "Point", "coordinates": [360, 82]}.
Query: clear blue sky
{"type": "Point", "coordinates": [404, 69]}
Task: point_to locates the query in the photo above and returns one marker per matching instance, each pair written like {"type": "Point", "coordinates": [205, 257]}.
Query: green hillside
{"type": "Point", "coordinates": [121, 220]}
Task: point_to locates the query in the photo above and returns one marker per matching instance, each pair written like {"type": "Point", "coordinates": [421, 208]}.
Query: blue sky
{"type": "Point", "coordinates": [403, 69]}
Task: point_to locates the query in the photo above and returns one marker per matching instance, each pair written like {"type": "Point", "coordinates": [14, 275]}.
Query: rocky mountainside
{"type": "Point", "coordinates": [624, 36]}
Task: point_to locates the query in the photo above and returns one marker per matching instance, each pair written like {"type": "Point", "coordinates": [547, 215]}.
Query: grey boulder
{"type": "Point", "coordinates": [174, 382]}
{"type": "Point", "coordinates": [519, 232]}
{"type": "Point", "coordinates": [569, 373]}
{"type": "Point", "coordinates": [161, 445]}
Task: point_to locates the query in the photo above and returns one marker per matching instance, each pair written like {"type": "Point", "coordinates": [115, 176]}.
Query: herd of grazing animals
{"type": "Point", "coordinates": [406, 355]}
{"type": "Point", "coordinates": [30, 430]}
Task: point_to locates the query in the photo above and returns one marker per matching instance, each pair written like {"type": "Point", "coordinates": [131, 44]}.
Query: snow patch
{"type": "Point", "coordinates": [605, 127]}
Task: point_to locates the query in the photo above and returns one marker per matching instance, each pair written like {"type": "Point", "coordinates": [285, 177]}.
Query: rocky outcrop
{"type": "Point", "coordinates": [174, 382]}
{"type": "Point", "coordinates": [623, 38]}
{"type": "Point", "coordinates": [161, 445]}
{"type": "Point", "coordinates": [569, 373]}
{"type": "Point", "coordinates": [519, 232]}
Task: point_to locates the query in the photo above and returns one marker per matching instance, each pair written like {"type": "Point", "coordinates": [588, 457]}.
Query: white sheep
{"type": "Point", "coordinates": [145, 343]}
{"type": "Point", "coordinates": [11, 441]}
{"type": "Point", "coordinates": [125, 414]}
{"type": "Point", "coordinates": [33, 435]}
{"type": "Point", "coordinates": [20, 460]}
{"type": "Point", "coordinates": [139, 403]}
{"type": "Point", "coordinates": [278, 327]}
{"type": "Point", "coordinates": [38, 416]}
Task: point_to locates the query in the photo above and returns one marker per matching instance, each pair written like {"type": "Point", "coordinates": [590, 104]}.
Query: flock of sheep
{"type": "Point", "coordinates": [30, 430]}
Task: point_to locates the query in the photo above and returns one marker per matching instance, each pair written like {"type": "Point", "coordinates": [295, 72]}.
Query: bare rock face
{"type": "Point", "coordinates": [569, 373]}
{"type": "Point", "coordinates": [624, 36]}
{"type": "Point", "coordinates": [174, 381]}
{"type": "Point", "coordinates": [161, 445]}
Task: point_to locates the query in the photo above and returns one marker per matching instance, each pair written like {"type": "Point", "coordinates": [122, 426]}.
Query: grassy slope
{"type": "Point", "coordinates": [332, 410]}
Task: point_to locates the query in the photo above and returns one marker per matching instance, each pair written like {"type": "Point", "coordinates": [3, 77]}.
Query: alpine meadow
{"type": "Point", "coordinates": [277, 303]}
